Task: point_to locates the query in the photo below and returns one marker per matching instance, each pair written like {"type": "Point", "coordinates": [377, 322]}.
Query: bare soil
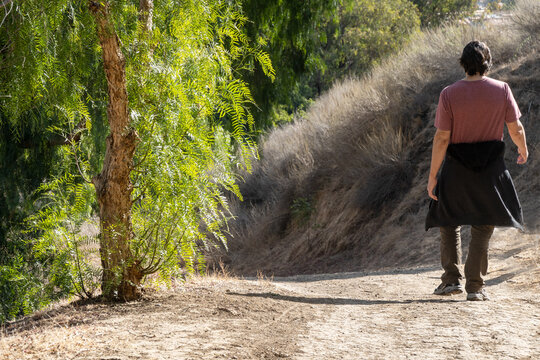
{"type": "Point", "coordinates": [387, 314]}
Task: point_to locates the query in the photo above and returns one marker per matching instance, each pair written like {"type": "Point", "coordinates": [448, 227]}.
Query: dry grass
{"type": "Point", "coordinates": [526, 17]}
{"type": "Point", "coordinates": [359, 158]}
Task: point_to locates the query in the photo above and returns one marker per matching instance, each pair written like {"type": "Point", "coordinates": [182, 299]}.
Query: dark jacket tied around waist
{"type": "Point", "coordinates": [475, 188]}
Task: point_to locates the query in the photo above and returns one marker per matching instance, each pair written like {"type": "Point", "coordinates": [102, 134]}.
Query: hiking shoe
{"type": "Point", "coordinates": [448, 289]}
{"type": "Point", "coordinates": [479, 295]}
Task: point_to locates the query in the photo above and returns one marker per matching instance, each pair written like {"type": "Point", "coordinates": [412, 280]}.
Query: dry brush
{"type": "Point", "coordinates": [344, 187]}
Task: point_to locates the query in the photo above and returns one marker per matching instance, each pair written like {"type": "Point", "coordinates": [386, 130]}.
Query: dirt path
{"type": "Point", "coordinates": [388, 315]}
{"type": "Point", "coordinates": [383, 315]}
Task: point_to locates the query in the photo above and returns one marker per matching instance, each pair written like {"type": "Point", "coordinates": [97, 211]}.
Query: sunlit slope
{"type": "Point", "coordinates": [344, 187]}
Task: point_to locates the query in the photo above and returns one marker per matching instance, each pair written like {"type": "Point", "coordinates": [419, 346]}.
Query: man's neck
{"type": "Point", "coordinates": [474, 77]}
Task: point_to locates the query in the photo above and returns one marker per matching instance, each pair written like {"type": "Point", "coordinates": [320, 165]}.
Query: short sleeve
{"type": "Point", "coordinates": [512, 110]}
{"type": "Point", "coordinates": [443, 117]}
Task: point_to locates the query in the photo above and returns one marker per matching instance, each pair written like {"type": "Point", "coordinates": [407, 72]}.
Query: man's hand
{"type": "Point", "coordinates": [432, 182]}
{"type": "Point", "coordinates": [517, 133]}
{"type": "Point", "coordinates": [523, 155]}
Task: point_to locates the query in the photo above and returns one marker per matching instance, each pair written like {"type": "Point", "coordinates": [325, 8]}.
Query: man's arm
{"type": "Point", "coordinates": [440, 144]}
{"type": "Point", "coordinates": [517, 133]}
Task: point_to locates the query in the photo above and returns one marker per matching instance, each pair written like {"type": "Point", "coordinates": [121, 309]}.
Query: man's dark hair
{"type": "Point", "coordinates": [476, 58]}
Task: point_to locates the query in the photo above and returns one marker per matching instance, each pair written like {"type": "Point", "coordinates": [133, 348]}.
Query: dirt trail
{"type": "Point", "coordinates": [382, 315]}
{"type": "Point", "coordinates": [389, 316]}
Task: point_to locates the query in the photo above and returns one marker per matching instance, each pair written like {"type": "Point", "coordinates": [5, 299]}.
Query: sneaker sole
{"type": "Point", "coordinates": [452, 292]}
{"type": "Point", "coordinates": [477, 298]}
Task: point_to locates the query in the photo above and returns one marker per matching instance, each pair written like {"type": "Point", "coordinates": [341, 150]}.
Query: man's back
{"type": "Point", "coordinates": [476, 110]}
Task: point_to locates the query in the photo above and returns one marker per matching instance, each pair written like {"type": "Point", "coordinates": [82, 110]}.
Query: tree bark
{"type": "Point", "coordinates": [121, 272]}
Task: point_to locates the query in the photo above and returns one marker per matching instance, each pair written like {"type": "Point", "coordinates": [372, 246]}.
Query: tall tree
{"type": "Point", "coordinates": [170, 90]}
{"type": "Point", "coordinates": [121, 272]}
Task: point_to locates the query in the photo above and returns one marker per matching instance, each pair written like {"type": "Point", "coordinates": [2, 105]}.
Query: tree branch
{"type": "Point", "coordinates": [77, 161]}
{"type": "Point", "coordinates": [5, 2]}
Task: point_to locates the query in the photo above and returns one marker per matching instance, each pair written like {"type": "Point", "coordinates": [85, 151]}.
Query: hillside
{"type": "Point", "coordinates": [343, 188]}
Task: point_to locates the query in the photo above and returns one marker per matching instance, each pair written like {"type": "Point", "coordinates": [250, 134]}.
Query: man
{"type": "Point", "coordinates": [474, 187]}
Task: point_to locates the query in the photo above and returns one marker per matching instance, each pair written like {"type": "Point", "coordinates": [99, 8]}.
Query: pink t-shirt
{"type": "Point", "coordinates": [476, 110]}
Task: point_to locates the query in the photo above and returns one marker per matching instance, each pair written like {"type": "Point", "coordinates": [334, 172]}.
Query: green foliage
{"type": "Point", "coordinates": [360, 35]}
{"type": "Point", "coordinates": [192, 114]}
{"type": "Point", "coordinates": [44, 61]}
{"type": "Point", "coordinates": [435, 12]}
{"type": "Point", "coordinates": [66, 205]}
{"type": "Point", "coordinates": [290, 32]}
{"type": "Point", "coordinates": [19, 292]}
{"type": "Point", "coordinates": [30, 280]}
{"type": "Point", "coordinates": [366, 33]}
{"type": "Point", "coordinates": [316, 43]}
{"type": "Point", "coordinates": [187, 102]}
{"type": "Point", "coordinates": [301, 210]}
{"type": "Point", "coordinates": [27, 280]}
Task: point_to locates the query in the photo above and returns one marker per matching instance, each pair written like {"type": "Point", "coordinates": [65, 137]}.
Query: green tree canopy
{"type": "Point", "coordinates": [291, 32]}
{"type": "Point", "coordinates": [434, 12]}
{"type": "Point", "coordinates": [367, 31]}
{"type": "Point", "coordinates": [188, 124]}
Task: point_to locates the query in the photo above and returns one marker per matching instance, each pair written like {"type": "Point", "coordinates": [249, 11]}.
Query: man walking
{"type": "Point", "coordinates": [474, 187]}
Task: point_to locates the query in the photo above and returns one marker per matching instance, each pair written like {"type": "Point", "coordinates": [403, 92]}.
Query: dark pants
{"type": "Point", "coordinates": [477, 259]}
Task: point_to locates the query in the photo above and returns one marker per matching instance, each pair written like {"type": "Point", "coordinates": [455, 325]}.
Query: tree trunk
{"type": "Point", "coordinates": [121, 272]}
{"type": "Point", "coordinates": [146, 11]}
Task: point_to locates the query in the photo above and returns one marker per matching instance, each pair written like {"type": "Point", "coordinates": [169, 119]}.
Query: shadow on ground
{"type": "Point", "coordinates": [340, 301]}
